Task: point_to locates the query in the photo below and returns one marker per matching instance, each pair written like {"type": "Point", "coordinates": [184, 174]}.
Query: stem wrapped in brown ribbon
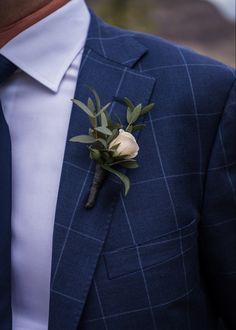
{"type": "Point", "coordinates": [98, 179]}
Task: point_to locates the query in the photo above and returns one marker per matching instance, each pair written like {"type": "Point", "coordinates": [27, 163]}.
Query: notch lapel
{"type": "Point", "coordinates": [79, 234]}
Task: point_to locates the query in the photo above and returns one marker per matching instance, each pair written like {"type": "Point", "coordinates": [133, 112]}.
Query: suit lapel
{"type": "Point", "coordinates": [79, 234]}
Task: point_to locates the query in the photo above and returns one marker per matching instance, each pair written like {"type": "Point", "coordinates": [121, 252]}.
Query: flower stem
{"type": "Point", "coordinates": [99, 177]}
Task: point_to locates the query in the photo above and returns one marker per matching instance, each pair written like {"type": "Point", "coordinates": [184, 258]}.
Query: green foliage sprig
{"type": "Point", "coordinates": [101, 136]}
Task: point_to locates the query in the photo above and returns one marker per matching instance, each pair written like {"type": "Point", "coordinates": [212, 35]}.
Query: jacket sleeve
{"type": "Point", "coordinates": [218, 226]}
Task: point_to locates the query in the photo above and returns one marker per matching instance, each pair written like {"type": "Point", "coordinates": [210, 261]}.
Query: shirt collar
{"type": "Point", "coordinates": [46, 49]}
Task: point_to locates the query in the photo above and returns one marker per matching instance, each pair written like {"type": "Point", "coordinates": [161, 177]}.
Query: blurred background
{"type": "Point", "coordinates": [207, 26]}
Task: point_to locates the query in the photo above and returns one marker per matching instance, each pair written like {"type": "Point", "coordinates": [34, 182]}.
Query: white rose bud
{"type": "Point", "coordinates": [128, 145]}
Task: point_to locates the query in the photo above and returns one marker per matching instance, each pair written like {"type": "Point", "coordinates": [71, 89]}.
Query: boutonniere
{"type": "Point", "coordinates": [110, 144]}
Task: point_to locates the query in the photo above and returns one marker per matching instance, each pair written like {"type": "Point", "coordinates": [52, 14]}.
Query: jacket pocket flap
{"type": "Point", "coordinates": [152, 253]}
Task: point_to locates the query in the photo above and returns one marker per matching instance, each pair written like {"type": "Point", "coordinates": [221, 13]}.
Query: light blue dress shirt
{"type": "Point", "coordinates": [37, 106]}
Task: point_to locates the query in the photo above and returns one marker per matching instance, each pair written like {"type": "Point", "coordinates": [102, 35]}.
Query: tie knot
{"type": "Point", "coordinates": [7, 68]}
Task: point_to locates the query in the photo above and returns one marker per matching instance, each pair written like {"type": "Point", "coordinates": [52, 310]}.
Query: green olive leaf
{"type": "Point", "coordinates": [103, 109]}
{"type": "Point", "coordinates": [83, 107]}
{"type": "Point", "coordinates": [109, 121]}
{"type": "Point", "coordinates": [91, 105]}
{"type": "Point", "coordinates": [129, 115]}
{"type": "Point", "coordinates": [120, 175]}
{"type": "Point", "coordinates": [96, 96]}
{"type": "Point", "coordinates": [129, 129]}
{"type": "Point", "coordinates": [138, 127]}
{"type": "Point", "coordinates": [129, 103]}
{"type": "Point", "coordinates": [104, 122]}
{"type": "Point", "coordinates": [95, 154]}
{"type": "Point", "coordinates": [147, 108]}
{"type": "Point", "coordinates": [103, 130]}
{"type": "Point", "coordinates": [130, 164]}
{"type": "Point", "coordinates": [135, 113]}
{"type": "Point", "coordinates": [83, 139]}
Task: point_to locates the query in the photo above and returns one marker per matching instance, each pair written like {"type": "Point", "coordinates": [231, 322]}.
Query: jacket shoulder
{"type": "Point", "coordinates": [164, 54]}
{"type": "Point", "coordinates": [182, 69]}
{"type": "Point", "coordinates": [178, 69]}
{"type": "Point", "coordinates": [160, 53]}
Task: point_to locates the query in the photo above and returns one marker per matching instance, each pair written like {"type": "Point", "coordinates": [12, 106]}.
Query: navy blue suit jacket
{"type": "Point", "coordinates": [164, 257]}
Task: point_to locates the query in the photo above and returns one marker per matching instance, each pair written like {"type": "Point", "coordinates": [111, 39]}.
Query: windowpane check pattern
{"type": "Point", "coordinates": [144, 261]}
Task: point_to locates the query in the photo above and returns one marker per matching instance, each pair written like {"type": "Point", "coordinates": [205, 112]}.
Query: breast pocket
{"type": "Point", "coordinates": [157, 252]}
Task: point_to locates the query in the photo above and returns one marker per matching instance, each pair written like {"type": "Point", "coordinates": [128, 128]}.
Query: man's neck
{"type": "Point", "coordinates": [12, 11]}
{"type": "Point", "coordinates": [11, 30]}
